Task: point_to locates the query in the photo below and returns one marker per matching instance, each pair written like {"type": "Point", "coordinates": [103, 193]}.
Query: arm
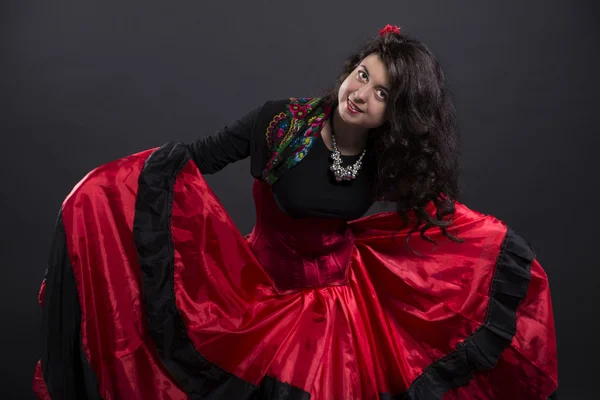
{"type": "Point", "coordinates": [230, 144]}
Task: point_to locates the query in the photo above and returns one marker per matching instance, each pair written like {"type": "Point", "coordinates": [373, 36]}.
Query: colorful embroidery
{"type": "Point", "coordinates": [286, 140]}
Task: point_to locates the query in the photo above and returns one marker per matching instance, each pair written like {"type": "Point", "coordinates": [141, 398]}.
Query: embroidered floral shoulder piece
{"type": "Point", "coordinates": [291, 134]}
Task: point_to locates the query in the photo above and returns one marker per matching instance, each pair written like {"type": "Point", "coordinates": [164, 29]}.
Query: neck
{"type": "Point", "coordinates": [348, 137]}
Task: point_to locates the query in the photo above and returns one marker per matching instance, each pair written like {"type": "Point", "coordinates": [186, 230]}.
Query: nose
{"type": "Point", "coordinates": [359, 96]}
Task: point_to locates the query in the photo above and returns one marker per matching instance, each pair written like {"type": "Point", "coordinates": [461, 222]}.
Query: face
{"type": "Point", "coordinates": [363, 94]}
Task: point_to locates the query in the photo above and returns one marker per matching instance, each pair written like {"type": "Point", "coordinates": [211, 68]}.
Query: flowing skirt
{"type": "Point", "coordinates": [153, 293]}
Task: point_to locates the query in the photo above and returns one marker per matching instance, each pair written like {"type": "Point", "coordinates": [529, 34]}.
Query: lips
{"type": "Point", "coordinates": [353, 107]}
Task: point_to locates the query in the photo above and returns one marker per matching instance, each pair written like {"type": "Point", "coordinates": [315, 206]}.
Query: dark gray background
{"type": "Point", "coordinates": [85, 82]}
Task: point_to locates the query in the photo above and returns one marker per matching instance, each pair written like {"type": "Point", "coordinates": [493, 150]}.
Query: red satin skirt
{"type": "Point", "coordinates": [176, 303]}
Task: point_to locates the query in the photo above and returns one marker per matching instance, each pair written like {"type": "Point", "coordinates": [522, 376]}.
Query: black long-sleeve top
{"type": "Point", "coordinates": [308, 189]}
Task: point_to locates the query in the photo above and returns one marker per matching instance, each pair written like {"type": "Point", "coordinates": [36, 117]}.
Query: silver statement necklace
{"type": "Point", "coordinates": [340, 172]}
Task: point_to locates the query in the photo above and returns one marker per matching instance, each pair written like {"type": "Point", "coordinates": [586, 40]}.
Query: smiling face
{"type": "Point", "coordinates": [363, 94]}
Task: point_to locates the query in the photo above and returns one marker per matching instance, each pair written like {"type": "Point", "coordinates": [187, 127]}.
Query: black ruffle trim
{"type": "Point", "coordinates": [66, 370]}
{"type": "Point", "coordinates": [198, 377]}
{"type": "Point", "coordinates": [483, 348]}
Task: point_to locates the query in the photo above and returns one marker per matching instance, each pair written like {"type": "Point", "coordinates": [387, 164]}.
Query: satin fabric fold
{"type": "Point", "coordinates": [175, 303]}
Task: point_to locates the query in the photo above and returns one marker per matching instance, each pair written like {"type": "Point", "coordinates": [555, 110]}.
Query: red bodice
{"type": "Point", "coordinates": [299, 253]}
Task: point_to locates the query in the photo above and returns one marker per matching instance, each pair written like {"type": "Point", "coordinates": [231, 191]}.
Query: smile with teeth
{"type": "Point", "coordinates": [352, 107]}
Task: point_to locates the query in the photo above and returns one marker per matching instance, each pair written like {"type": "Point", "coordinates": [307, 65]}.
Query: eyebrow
{"type": "Point", "coordinates": [368, 73]}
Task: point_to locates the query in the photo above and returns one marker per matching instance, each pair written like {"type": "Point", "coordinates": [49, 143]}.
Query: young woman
{"type": "Point", "coordinates": [152, 293]}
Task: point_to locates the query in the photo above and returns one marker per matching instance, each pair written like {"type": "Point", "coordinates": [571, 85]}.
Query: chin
{"type": "Point", "coordinates": [349, 118]}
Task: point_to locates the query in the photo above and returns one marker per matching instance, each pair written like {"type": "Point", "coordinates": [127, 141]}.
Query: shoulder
{"type": "Point", "coordinates": [293, 106]}
{"type": "Point", "coordinates": [282, 114]}
{"type": "Point", "coordinates": [280, 105]}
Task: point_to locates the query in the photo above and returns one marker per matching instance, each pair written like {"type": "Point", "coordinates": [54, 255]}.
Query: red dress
{"type": "Point", "coordinates": [175, 303]}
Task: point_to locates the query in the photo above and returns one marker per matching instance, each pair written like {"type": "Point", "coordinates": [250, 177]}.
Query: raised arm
{"type": "Point", "coordinates": [230, 144]}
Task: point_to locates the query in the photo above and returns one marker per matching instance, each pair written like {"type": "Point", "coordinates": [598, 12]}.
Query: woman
{"type": "Point", "coordinates": [152, 293]}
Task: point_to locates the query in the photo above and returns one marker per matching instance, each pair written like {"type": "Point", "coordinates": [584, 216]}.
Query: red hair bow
{"type": "Point", "coordinates": [389, 29]}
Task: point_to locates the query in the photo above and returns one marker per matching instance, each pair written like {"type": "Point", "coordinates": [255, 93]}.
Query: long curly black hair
{"type": "Point", "coordinates": [417, 151]}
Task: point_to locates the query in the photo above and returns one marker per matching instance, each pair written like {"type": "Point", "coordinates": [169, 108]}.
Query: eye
{"type": "Point", "coordinates": [382, 94]}
{"type": "Point", "coordinates": [363, 75]}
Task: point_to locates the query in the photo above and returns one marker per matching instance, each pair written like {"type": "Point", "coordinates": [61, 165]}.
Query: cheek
{"type": "Point", "coordinates": [347, 85]}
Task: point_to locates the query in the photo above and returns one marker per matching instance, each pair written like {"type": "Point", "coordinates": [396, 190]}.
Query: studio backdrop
{"type": "Point", "coordinates": [86, 82]}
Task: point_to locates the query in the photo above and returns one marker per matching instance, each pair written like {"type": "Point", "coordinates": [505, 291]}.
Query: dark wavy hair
{"type": "Point", "coordinates": [417, 151]}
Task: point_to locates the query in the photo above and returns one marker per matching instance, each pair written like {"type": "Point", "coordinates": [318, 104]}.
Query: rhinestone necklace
{"type": "Point", "coordinates": [343, 173]}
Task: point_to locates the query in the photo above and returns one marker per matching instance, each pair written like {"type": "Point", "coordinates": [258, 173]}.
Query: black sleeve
{"type": "Point", "coordinates": [230, 144]}
{"type": "Point", "coordinates": [66, 371]}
